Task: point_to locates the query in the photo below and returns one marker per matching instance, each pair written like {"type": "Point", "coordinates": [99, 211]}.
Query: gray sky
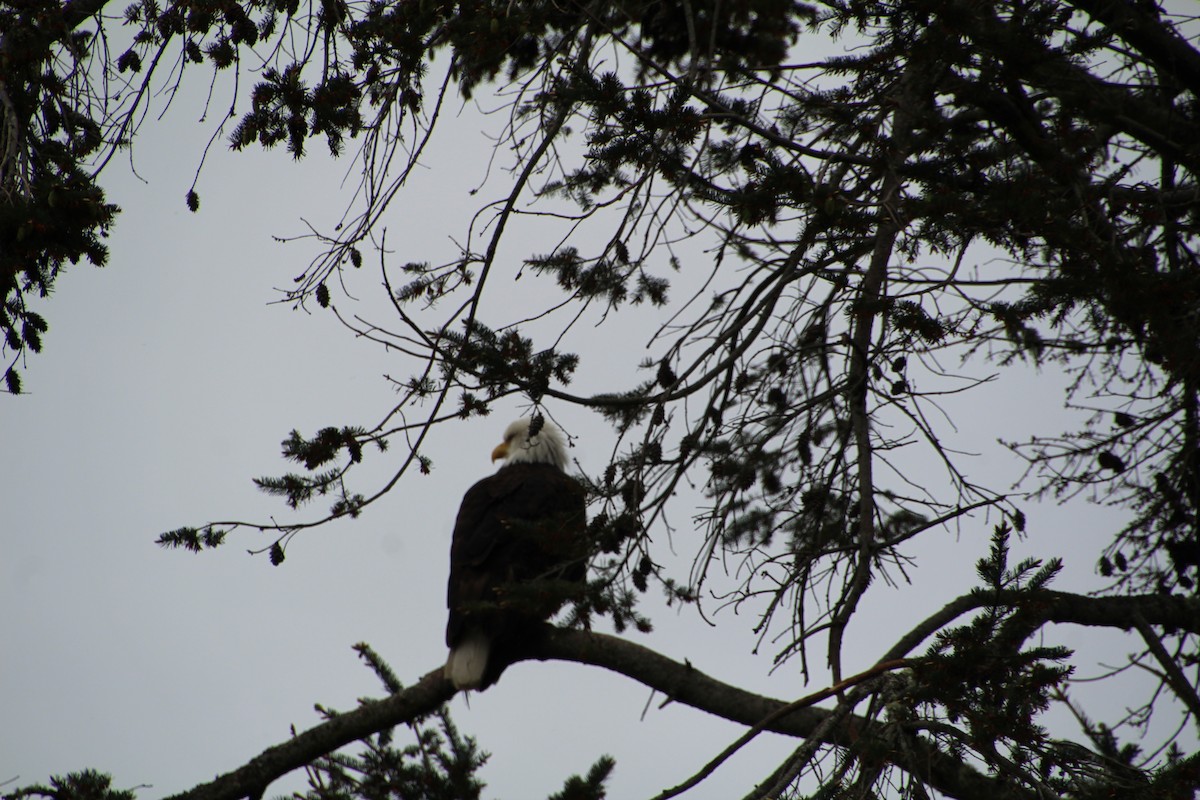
{"type": "Point", "coordinates": [166, 385]}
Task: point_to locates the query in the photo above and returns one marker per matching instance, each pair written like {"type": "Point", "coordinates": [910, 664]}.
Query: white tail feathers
{"type": "Point", "coordinates": [468, 661]}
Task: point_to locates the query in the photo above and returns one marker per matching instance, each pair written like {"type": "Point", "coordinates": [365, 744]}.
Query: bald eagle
{"type": "Point", "coordinates": [519, 543]}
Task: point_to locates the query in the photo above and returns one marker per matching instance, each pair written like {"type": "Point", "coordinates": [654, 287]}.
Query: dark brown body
{"type": "Point", "coordinates": [519, 541]}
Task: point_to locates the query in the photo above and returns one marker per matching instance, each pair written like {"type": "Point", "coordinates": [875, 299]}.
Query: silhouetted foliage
{"type": "Point", "coordinates": [440, 764]}
{"type": "Point", "coordinates": [85, 785]}
{"type": "Point", "coordinates": [835, 244]}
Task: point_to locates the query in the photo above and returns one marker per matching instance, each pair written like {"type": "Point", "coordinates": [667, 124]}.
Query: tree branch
{"type": "Point", "coordinates": [685, 684]}
{"type": "Point", "coordinates": [1175, 677]}
{"type": "Point", "coordinates": [77, 12]}
{"type": "Point", "coordinates": [252, 779]}
{"type": "Point", "coordinates": [1150, 36]}
{"type": "Point", "coordinates": [1126, 613]}
{"type": "Point", "coordinates": [1160, 129]}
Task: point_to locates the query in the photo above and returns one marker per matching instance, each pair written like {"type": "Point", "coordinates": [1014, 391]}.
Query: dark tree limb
{"type": "Point", "coordinates": [1125, 613]}
{"type": "Point", "coordinates": [1148, 34]}
{"type": "Point", "coordinates": [76, 12]}
{"type": "Point", "coordinates": [253, 778]}
{"type": "Point", "coordinates": [1174, 675]}
{"type": "Point", "coordinates": [684, 683]}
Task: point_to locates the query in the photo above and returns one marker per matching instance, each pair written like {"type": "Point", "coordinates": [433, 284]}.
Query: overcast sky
{"type": "Point", "coordinates": [167, 383]}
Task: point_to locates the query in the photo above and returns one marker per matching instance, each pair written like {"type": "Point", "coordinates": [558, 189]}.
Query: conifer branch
{"type": "Point", "coordinates": [252, 779]}
{"type": "Point", "coordinates": [683, 683]}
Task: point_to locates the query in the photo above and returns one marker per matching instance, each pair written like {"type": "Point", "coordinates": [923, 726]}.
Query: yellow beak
{"type": "Point", "coordinates": [500, 452]}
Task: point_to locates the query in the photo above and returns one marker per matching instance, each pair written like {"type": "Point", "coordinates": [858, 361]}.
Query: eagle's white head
{"type": "Point", "coordinates": [546, 446]}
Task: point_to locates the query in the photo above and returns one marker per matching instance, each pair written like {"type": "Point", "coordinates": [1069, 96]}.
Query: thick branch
{"type": "Point", "coordinates": [76, 12]}
{"type": "Point", "coordinates": [1172, 612]}
{"type": "Point", "coordinates": [1161, 129]}
{"type": "Point", "coordinates": [680, 681]}
{"type": "Point", "coordinates": [252, 779]}
{"type": "Point", "coordinates": [1125, 613]}
{"type": "Point", "coordinates": [685, 684]}
{"type": "Point", "coordinates": [1150, 36]}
